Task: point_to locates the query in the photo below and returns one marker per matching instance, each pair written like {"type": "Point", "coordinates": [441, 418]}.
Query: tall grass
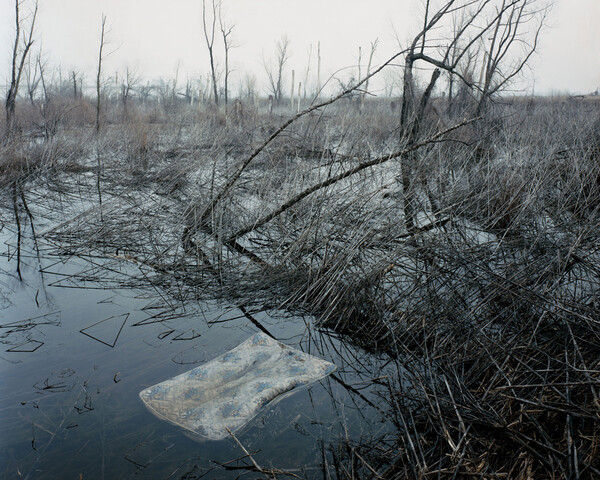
{"type": "Point", "coordinates": [487, 307]}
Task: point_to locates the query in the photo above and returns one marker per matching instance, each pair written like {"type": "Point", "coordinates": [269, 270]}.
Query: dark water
{"type": "Point", "coordinates": [75, 354]}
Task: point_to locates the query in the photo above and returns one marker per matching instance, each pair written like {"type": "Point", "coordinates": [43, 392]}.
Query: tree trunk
{"type": "Point", "coordinates": [214, 77]}
{"type": "Point", "coordinates": [98, 75]}
{"type": "Point", "coordinates": [17, 70]}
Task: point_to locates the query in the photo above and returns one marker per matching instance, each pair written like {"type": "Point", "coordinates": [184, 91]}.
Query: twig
{"type": "Point", "coordinates": [244, 450]}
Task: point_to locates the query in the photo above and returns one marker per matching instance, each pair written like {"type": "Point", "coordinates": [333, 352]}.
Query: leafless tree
{"type": "Point", "coordinates": [275, 72]}
{"type": "Point", "coordinates": [226, 31]}
{"type": "Point", "coordinates": [49, 126]}
{"type": "Point", "coordinates": [247, 87]}
{"type": "Point", "coordinates": [19, 57]}
{"type": "Point", "coordinates": [391, 82]}
{"type": "Point", "coordinates": [33, 77]}
{"type": "Point", "coordinates": [512, 24]}
{"type": "Point", "coordinates": [74, 79]}
{"type": "Point", "coordinates": [77, 83]}
{"type": "Point", "coordinates": [307, 72]}
{"type": "Point", "coordinates": [366, 89]}
{"type": "Point", "coordinates": [188, 92]}
{"type": "Point", "coordinates": [209, 25]}
{"type": "Point", "coordinates": [168, 90]}
{"type": "Point", "coordinates": [205, 88]}
{"type": "Point", "coordinates": [42, 69]}
{"type": "Point", "coordinates": [174, 89]}
{"type": "Point", "coordinates": [144, 92]}
{"type": "Point", "coordinates": [164, 91]}
{"type": "Point", "coordinates": [128, 85]}
{"type": "Point", "coordinates": [318, 89]}
{"type": "Point", "coordinates": [507, 35]}
{"type": "Point", "coordinates": [99, 73]}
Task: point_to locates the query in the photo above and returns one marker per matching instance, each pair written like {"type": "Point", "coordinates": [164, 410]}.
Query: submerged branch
{"type": "Point", "coordinates": [17, 220]}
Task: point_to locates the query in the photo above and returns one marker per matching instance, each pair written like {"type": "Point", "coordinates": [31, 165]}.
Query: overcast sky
{"type": "Point", "coordinates": [155, 36]}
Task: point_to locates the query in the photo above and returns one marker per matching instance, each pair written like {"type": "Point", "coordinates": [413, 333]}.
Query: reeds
{"type": "Point", "coordinates": [487, 306]}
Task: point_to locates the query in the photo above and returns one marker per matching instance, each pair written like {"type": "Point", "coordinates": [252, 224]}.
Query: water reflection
{"type": "Point", "coordinates": [79, 342]}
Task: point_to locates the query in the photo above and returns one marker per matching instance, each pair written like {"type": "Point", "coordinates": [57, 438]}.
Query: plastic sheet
{"type": "Point", "coordinates": [229, 391]}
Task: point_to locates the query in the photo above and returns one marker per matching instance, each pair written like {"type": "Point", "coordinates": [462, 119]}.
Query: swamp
{"type": "Point", "coordinates": [440, 248]}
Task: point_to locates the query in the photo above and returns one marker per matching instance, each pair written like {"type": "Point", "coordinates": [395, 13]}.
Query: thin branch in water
{"type": "Point", "coordinates": [16, 210]}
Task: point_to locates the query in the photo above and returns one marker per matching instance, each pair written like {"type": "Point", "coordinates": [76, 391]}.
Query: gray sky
{"type": "Point", "coordinates": [154, 36]}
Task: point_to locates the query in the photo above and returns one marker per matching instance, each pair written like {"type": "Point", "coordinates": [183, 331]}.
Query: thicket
{"type": "Point", "coordinates": [487, 305]}
{"type": "Point", "coordinates": [455, 234]}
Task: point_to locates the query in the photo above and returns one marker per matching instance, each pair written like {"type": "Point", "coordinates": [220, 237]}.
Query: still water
{"type": "Point", "coordinates": [75, 353]}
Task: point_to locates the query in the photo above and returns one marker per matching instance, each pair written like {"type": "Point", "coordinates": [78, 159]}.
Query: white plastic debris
{"type": "Point", "coordinates": [229, 391]}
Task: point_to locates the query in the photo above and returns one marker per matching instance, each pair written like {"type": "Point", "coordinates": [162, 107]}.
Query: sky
{"type": "Point", "coordinates": [155, 38]}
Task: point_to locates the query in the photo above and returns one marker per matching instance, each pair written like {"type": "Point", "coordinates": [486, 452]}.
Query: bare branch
{"type": "Point", "coordinates": [233, 178]}
{"type": "Point", "coordinates": [332, 180]}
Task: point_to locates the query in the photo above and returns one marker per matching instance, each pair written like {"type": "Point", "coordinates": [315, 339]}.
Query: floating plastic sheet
{"type": "Point", "coordinates": [229, 391]}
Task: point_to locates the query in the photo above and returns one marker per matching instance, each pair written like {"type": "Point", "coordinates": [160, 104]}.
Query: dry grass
{"type": "Point", "coordinates": [488, 308]}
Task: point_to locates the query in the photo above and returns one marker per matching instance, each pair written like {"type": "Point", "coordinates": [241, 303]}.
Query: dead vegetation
{"type": "Point", "coordinates": [488, 308]}
{"type": "Point", "coordinates": [457, 236]}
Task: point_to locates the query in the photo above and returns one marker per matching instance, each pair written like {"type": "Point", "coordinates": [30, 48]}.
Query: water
{"type": "Point", "coordinates": [74, 354]}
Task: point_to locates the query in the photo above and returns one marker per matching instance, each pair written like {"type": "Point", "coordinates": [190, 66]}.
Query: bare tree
{"type": "Point", "coordinates": [307, 72]}
{"type": "Point", "coordinates": [359, 63]}
{"type": "Point", "coordinates": [318, 89]}
{"type": "Point", "coordinates": [206, 88]}
{"type": "Point", "coordinates": [189, 92]}
{"type": "Point", "coordinates": [174, 89]}
{"type": "Point", "coordinates": [144, 92]}
{"type": "Point", "coordinates": [227, 45]}
{"type": "Point", "coordinates": [99, 73]}
{"type": "Point", "coordinates": [48, 130]}
{"type": "Point", "coordinates": [164, 91]}
{"type": "Point", "coordinates": [74, 78]}
{"type": "Point", "coordinates": [42, 69]}
{"type": "Point", "coordinates": [98, 106]}
{"type": "Point", "coordinates": [275, 72]}
{"type": "Point", "coordinates": [18, 65]}
{"type": "Point", "coordinates": [77, 83]}
{"type": "Point", "coordinates": [366, 89]}
{"type": "Point", "coordinates": [209, 26]}
{"type": "Point", "coordinates": [509, 22]}
{"type": "Point", "coordinates": [247, 87]}
{"type": "Point", "coordinates": [512, 18]}
{"type": "Point", "coordinates": [128, 85]}
{"type": "Point", "coordinates": [33, 77]}
{"type": "Point", "coordinates": [392, 80]}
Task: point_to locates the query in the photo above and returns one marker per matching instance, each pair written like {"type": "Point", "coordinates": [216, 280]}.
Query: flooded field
{"type": "Point", "coordinates": [418, 218]}
{"type": "Point", "coordinates": [453, 282]}
{"type": "Point", "coordinates": [76, 352]}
